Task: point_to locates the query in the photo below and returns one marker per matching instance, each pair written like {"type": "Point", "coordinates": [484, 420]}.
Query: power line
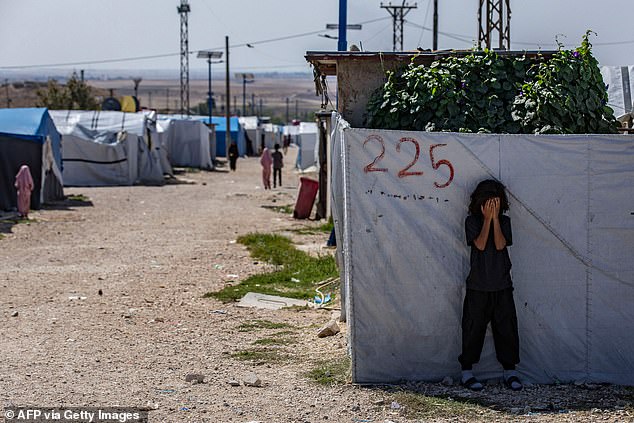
{"type": "Point", "coordinates": [159, 56]}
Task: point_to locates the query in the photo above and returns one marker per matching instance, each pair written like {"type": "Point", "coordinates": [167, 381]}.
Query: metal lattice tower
{"type": "Point", "coordinates": [398, 17]}
{"type": "Point", "coordinates": [183, 10]}
{"type": "Point", "coordinates": [498, 19]}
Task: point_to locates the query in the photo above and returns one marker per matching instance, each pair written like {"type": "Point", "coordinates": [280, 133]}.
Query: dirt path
{"type": "Point", "coordinates": [153, 252]}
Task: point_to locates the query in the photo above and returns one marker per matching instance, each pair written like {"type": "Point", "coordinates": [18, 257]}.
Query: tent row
{"type": "Point", "coordinates": [103, 148]}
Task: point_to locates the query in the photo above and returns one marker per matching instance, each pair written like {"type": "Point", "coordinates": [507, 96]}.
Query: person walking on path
{"type": "Point", "coordinates": [278, 164]}
{"type": "Point", "coordinates": [489, 296]}
{"type": "Point", "coordinates": [24, 185]}
{"type": "Point", "coordinates": [266, 161]}
{"type": "Point", "coordinates": [233, 155]}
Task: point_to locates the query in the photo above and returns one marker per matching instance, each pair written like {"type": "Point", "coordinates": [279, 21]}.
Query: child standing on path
{"type": "Point", "coordinates": [24, 185]}
{"type": "Point", "coordinates": [278, 164]}
{"type": "Point", "coordinates": [266, 161]}
{"type": "Point", "coordinates": [489, 296]}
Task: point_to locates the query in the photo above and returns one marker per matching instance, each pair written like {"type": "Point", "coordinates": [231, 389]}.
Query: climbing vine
{"type": "Point", "coordinates": [487, 92]}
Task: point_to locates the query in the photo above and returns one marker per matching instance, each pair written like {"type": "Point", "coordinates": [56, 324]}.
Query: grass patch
{"type": "Point", "coordinates": [254, 325]}
{"type": "Point", "coordinates": [275, 341]}
{"type": "Point", "coordinates": [325, 228]}
{"type": "Point", "coordinates": [78, 197]}
{"type": "Point", "coordinates": [260, 355]}
{"type": "Point", "coordinates": [297, 275]}
{"type": "Point", "coordinates": [421, 406]}
{"type": "Point", "coordinates": [1, 236]}
{"type": "Point", "coordinates": [331, 372]}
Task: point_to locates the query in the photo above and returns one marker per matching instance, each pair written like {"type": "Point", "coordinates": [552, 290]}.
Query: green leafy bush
{"type": "Point", "coordinates": [486, 92]}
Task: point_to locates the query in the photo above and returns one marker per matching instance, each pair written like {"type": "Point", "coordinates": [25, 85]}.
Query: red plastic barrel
{"type": "Point", "coordinates": [307, 192]}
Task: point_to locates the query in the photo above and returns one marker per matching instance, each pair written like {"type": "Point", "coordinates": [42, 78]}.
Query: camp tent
{"type": "Point", "coordinates": [251, 132]}
{"type": "Point", "coordinates": [29, 137]}
{"type": "Point", "coordinates": [237, 135]}
{"type": "Point", "coordinates": [620, 85]}
{"type": "Point", "coordinates": [270, 135]}
{"type": "Point", "coordinates": [307, 140]}
{"type": "Point", "coordinates": [188, 140]}
{"type": "Point", "coordinates": [109, 148]}
{"type": "Point", "coordinates": [400, 201]}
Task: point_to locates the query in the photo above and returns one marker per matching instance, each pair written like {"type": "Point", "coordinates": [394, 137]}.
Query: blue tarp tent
{"type": "Point", "coordinates": [237, 135]}
{"type": "Point", "coordinates": [29, 137]}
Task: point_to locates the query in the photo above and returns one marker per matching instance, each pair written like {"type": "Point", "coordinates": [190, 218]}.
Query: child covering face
{"type": "Point", "coordinates": [489, 296]}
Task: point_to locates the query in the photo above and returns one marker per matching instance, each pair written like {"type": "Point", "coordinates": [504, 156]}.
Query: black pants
{"type": "Point", "coordinates": [480, 308]}
{"type": "Point", "coordinates": [277, 173]}
{"type": "Point", "coordinates": [232, 162]}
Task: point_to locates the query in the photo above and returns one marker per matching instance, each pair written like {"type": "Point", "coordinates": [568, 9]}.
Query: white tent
{"type": "Point", "coordinates": [307, 139]}
{"type": "Point", "coordinates": [620, 84]}
{"type": "Point", "coordinates": [187, 141]}
{"type": "Point", "coordinates": [252, 132]}
{"type": "Point", "coordinates": [270, 135]}
{"type": "Point", "coordinates": [108, 148]}
{"type": "Point", "coordinates": [400, 201]}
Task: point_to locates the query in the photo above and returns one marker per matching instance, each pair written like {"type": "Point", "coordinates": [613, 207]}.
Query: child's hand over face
{"type": "Point", "coordinates": [496, 207]}
{"type": "Point", "coordinates": [488, 209]}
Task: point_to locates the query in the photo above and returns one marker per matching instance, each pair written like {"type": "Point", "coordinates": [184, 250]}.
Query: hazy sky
{"type": "Point", "coordinates": [51, 32]}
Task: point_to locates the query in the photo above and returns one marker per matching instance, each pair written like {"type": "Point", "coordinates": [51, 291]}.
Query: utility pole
{"type": "Point", "coordinates": [287, 101]}
{"type": "Point", "coordinates": [252, 104]}
{"type": "Point", "coordinates": [136, 82]}
{"type": "Point", "coordinates": [398, 17]}
{"type": "Point", "coordinates": [260, 106]}
{"type": "Point", "coordinates": [228, 108]}
{"type": "Point", "coordinates": [435, 43]}
{"type": "Point", "coordinates": [183, 10]}
{"type": "Point", "coordinates": [296, 104]}
{"type": "Point", "coordinates": [247, 78]}
{"type": "Point", "coordinates": [6, 86]}
{"type": "Point", "coordinates": [497, 18]}
{"type": "Point", "coordinates": [342, 43]}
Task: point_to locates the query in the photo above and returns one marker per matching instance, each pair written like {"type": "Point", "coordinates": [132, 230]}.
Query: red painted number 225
{"type": "Point", "coordinates": [405, 172]}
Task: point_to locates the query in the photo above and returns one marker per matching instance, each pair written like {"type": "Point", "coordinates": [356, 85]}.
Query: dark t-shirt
{"type": "Point", "coordinates": [490, 269]}
{"type": "Point", "coordinates": [278, 160]}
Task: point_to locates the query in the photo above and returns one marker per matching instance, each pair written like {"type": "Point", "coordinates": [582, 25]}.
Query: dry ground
{"type": "Point", "coordinates": [153, 252]}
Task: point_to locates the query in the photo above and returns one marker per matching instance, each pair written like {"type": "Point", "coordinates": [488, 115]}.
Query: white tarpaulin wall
{"type": "Point", "coordinates": [106, 159]}
{"type": "Point", "coordinates": [406, 259]}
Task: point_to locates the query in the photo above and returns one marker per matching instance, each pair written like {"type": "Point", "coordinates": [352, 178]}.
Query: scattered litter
{"type": "Point", "coordinates": [76, 297]}
{"type": "Point", "coordinates": [217, 266]}
{"type": "Point", "coordinates": [395, 405]}
{"type": "Point", "coordinates": [184, 409]}
{"type": "Point", "coordinates": [100, 292]}
{"type": "Point", "coordinates": [233, 276]}
{"type": "Point", "coordinates": [232, 241]}
{"type": "Point", "coordinates": [219, 312]}
{"type": "Point", "coordinates": [233, 383]}
{"type": "Point", "coordinates": [329, 329]}
{"type": "Point", "coordinates": [165, 391]}
{"type": "Point", "coordinates": [324, 300]}
{"type": "Point", "coordinates": [295, 280]}
{"type": "Point", "coordinates": [14, 314]}
{"type": "Point", "coordinates": [270, 302]}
